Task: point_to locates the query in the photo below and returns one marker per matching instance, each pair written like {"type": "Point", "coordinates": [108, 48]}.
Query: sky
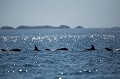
{"type": "Point", "coordinates": [86, 13]}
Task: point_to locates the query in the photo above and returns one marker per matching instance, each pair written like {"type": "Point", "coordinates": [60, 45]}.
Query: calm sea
{"type": "Point", "coordinates": [72, 64]}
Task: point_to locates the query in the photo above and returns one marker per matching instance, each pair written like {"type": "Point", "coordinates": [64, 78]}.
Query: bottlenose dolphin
{"type": "Point", "coordinates": [108, 49]}
{"type": "Point", "coordinates": [92, 48]}
{"type": "Point", "coordinates": [36, 49]}
{"type": "Point", "coordinates": [47, 49]}
{"type": "Point", "coordinates": [15, 50]}
{"type": "Point", "coordinates": [3, 50]}
{"type": "Point", "coordinates": [63, 49]}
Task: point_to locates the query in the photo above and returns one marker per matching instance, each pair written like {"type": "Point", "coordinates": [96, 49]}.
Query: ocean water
{"type": "Point", "coordinates": [72, 64]}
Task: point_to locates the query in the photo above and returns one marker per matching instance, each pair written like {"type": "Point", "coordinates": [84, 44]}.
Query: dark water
{"type": "Point", "coordinates": [72, 64]}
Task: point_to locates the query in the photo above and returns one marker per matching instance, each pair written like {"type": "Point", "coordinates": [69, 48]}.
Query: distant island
{"type": "Point", "coordinates": [79, 27]}
{"type": "Point", "coordinates": [43, 27]}
{"type": "Point", "coordinates": [39, 27]}
{"type": "Point", "coordinates": [6, 27]}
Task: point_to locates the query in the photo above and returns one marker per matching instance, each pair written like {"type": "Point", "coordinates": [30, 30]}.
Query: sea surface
{"type": "Point", "coordinates": [72, 64]}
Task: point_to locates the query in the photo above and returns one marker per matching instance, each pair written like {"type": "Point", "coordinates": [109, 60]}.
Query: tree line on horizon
{"type": "Point", "coordinates": [39, 27]}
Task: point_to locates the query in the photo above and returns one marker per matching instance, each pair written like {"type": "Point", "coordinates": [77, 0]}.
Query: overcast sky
{"type": "Point", "coordinates": [87, 13]}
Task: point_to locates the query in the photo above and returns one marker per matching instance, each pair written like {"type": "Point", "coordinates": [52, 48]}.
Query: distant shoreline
{"type": "Point", "coordinates": [39, 27]}
{"type": "Point", "coordinates": [47, 27]}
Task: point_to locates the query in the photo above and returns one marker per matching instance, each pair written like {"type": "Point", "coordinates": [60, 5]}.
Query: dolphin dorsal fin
{"type": "Point", "coordinates": [93, 48]}
{"type": "Point", "coordinates": [36, 48]}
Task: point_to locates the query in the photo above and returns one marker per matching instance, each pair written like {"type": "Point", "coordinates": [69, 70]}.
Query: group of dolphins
{"type": "Point", "coordinates": [63, 49]}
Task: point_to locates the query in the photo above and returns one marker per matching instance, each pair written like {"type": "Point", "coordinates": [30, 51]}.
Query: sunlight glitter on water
{"type": "Point", "coordinates": [72, 64]}
{"type": "Point", "coordinates": [54, 37]}
{"type": "Point", "coordinates": [60, 78]}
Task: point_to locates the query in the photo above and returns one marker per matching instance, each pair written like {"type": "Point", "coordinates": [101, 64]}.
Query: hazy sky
{"type": "Point", "coordinates": [87, 13]}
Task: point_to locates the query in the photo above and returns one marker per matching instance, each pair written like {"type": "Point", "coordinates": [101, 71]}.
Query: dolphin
{"type": "Point", "coordinates": [92, 48]}
{"type": "Point", "coordinates": [108, 49]}
{"type": "Point", "coordinates": [3, 50]}
{"type": "Point", "coordinates": [47, 49]}
{"type": "Point", "coordinates": [36, 49]}
{"type": "Point", "coordinates": [63, 49]}
{"type": "Point", "coordinates": [15, 50]}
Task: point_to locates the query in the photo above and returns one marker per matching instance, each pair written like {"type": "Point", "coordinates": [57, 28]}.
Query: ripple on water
{"type": "Point", "coordinates": [58, 64]}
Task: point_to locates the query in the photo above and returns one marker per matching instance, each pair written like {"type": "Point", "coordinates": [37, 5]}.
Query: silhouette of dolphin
{"type": "Point", "coordinates": [3, 50]}
{"type": "Point", "coordinates": [92, 48]}
{"type": "Point", "coordinates": [16, 50]}
{"type": "Point", "coordinates": [108, 49]}
{"type": "Point", "coordinates": [36, 49]}
{"type": "Point", "coordinates": [47, 49]}
{"type": "Point", "coordinates": [63, 49]}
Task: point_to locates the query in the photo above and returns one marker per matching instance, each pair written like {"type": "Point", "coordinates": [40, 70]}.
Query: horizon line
{"type": "Point", "coordinates": [57, 26]}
